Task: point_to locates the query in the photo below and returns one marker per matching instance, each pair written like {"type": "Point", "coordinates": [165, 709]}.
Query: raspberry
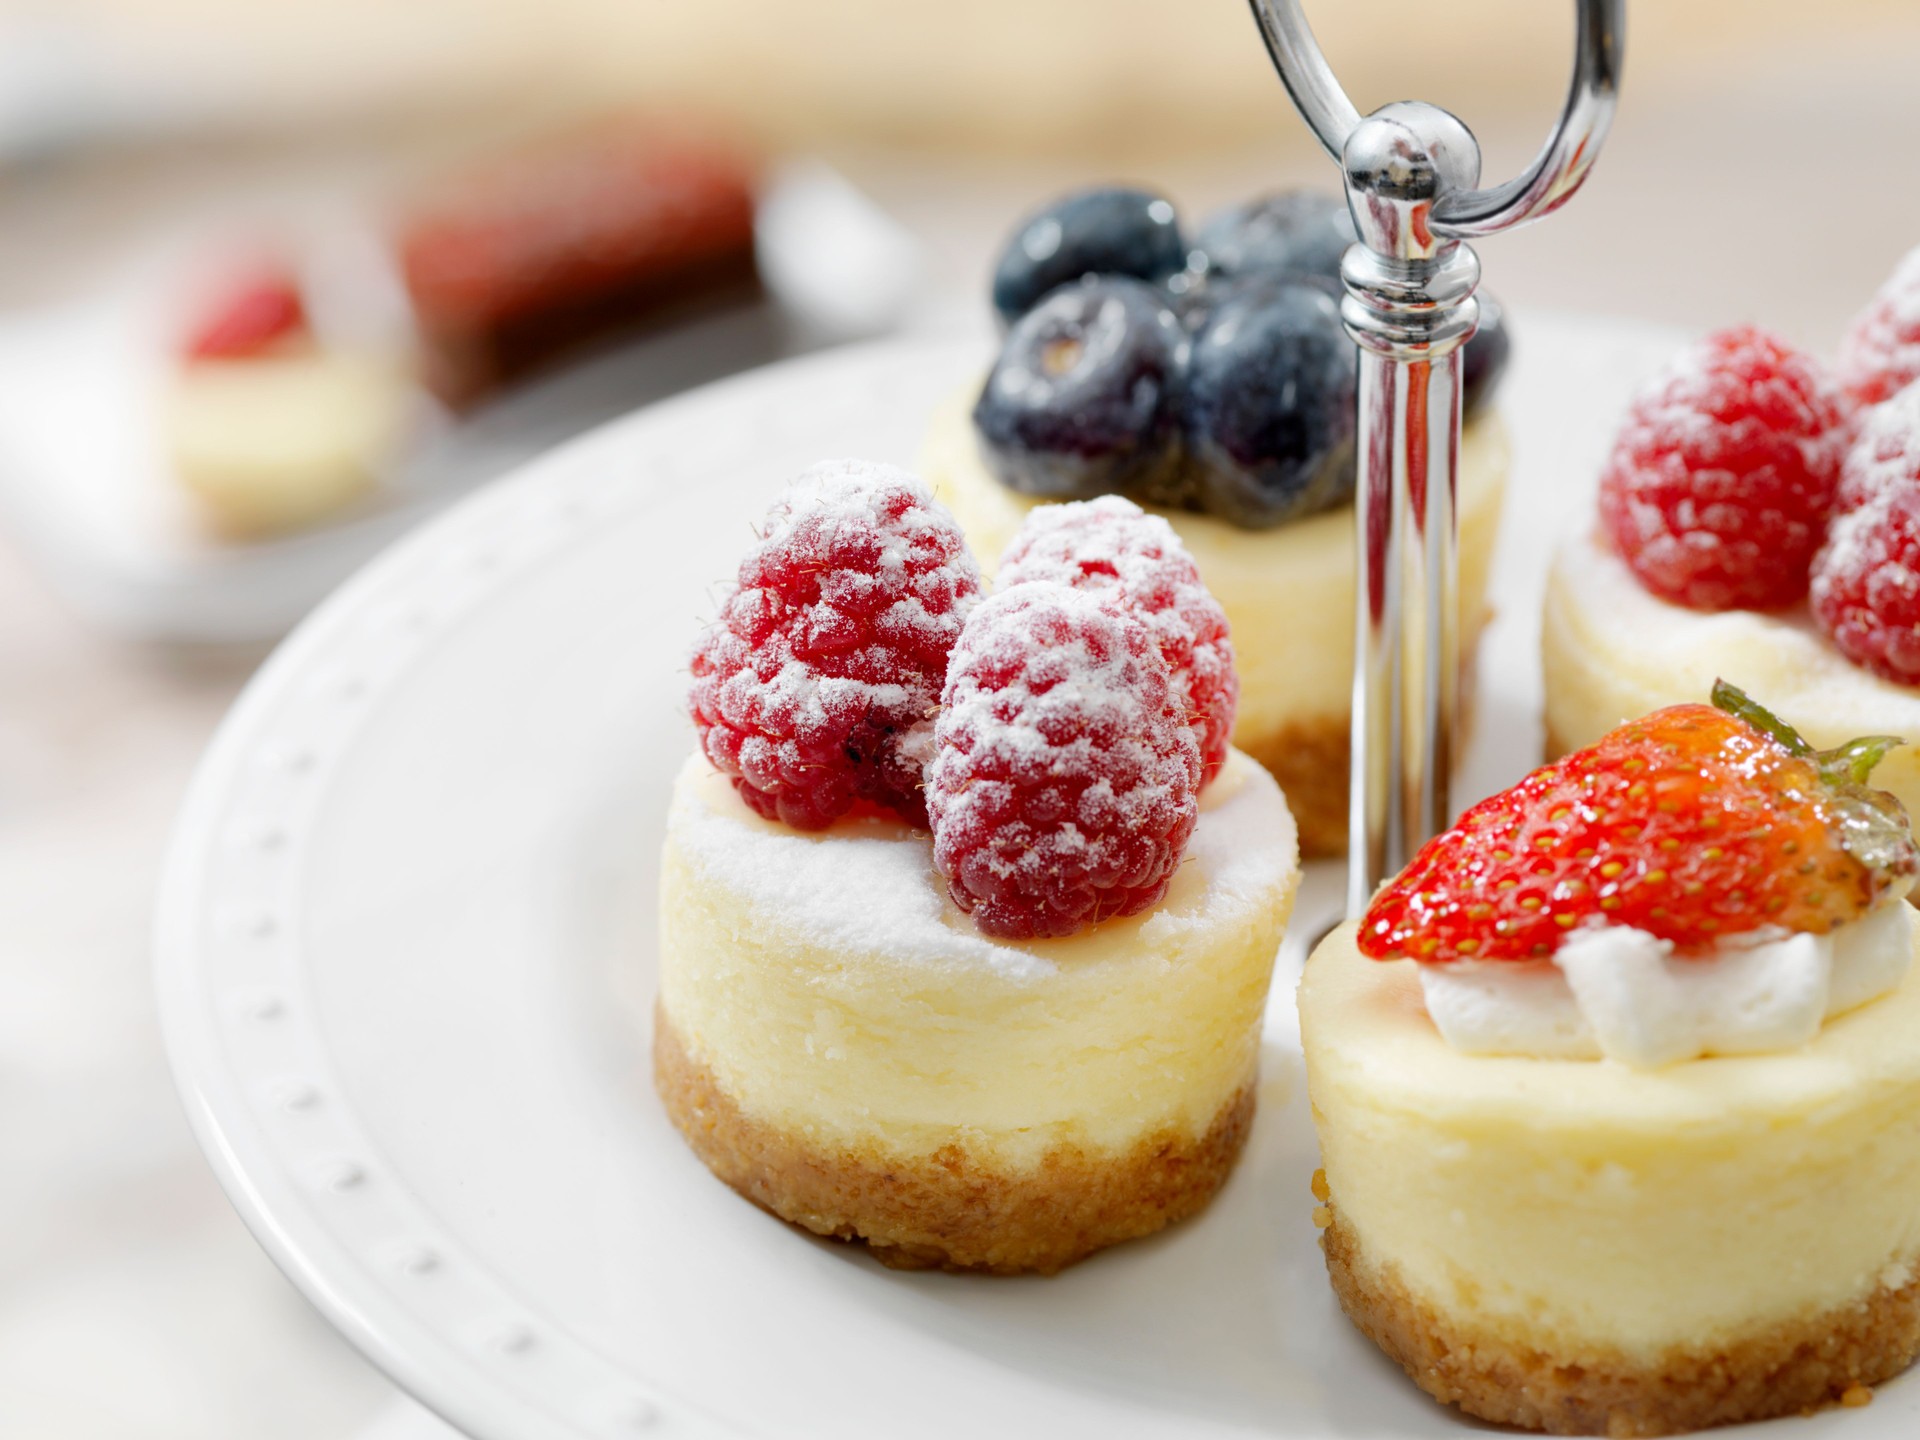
{"type": "Point", "coordinates": [1113, 547]}
{"type": "Point", "coordinates": [1720, 483]}
{"type": "Point", "coordinates": [1885, 454]}
{"type": "Point", "coordinates": [1880, 355]}
{"type": "Point", "coordinates": [1866, 580]}
{"type": "Point", "coordinates": [1064, 779]}
{"type": "Point", "coordinates": [817, 686]}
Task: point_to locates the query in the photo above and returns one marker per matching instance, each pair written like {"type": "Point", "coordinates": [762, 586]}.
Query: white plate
{"type": "Point", "coordinates": [405, 960]}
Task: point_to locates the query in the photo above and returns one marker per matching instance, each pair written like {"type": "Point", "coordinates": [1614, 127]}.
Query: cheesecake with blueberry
{"type": "Point", "coordinates": [1210, 381]}
{"type": "Point", "coordinates": [1615, 1087]}
{"type": "Point", "coordinates": [1759, 518]}
{"type": "Point", "coordinates": [968, 911]}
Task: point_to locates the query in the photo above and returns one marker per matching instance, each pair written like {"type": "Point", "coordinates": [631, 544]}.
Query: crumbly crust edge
{"type": "Point", "coordinates": [950, 1210]}
{"type": "Point", "coordinates": [1788, 1368]}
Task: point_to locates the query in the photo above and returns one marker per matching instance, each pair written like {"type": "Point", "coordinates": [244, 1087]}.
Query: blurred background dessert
{"type": "Point", "coordinates": [886, 149]}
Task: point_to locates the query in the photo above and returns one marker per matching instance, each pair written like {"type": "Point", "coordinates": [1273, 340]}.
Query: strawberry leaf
{"type": "Point", "coordinates": [1736, 702]}
{"type": "Point", "coordinates": [1853, 762]}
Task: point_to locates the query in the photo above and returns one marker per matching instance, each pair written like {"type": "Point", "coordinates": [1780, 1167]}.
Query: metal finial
{"type": "Point", "coordinates": [1412, 176]}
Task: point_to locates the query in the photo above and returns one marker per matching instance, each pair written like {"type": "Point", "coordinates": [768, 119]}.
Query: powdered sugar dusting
{"type": "Point", "coordinates": [1722, 476]}
{"type": "Point", "coordinates": [838, 503]}
{"type": "Point", "coordinates": [1671, 654]}
{"type": "Point", "coordinates": [867, 888]}
{"type": "Point", "coordinates": [1055, 706]}
{"type": "Point", "coordinates": [1885, 454]}
{"type": "Point", "coordinates": [1111, 546]}
{"type": "Point", "coordinates": [1866, 579]}
{"type": "Point", "coordinates": [1882, 465]}
{"type": "Point", "coordinates": [832, 647]}
{"type": "Point", "coordinates": [1062, 789]}
{"type": "Point", "coordinates": [1880, 354]}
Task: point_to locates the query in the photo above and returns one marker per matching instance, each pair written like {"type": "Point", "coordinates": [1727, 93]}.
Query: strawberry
{"type": "Point", "coordinates": [251, 317]}
{"type": "Point", "coordinates": [1693, 824]}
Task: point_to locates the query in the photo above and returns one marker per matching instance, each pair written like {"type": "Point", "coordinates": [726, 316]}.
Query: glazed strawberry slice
{"type": "Point", "coordinates": [1692, 824]}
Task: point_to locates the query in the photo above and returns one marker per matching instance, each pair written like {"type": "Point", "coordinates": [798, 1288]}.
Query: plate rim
{"type": "Point", "coordinates": [423, 1360]}
{"type": "Point", "coordinates": [417, 1358]}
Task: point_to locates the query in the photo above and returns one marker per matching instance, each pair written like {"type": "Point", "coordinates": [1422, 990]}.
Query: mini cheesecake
{"type": "Point", "coordinates": [1750, 527]}
{"type": "Point", "coordinates": [1209, 374]}
{"type": "Point", "coordinates": [268, 430]}
{"type": "Point", "coordinates": [1581, 1247]}
{"type": "Point", "coordinates": [271, 444]}
{"type": "Point", "coordinates": [1609, 650]}
{"type": "Point", "coordinates": [1614, 1086]}
{"type": "Point", "coordinates": [1287, 591]}
{"type": "Point", "coordinates": [844, 1047]}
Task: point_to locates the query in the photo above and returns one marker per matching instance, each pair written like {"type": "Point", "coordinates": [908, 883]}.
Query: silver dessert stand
{"type": "Point", "coordinates": [1412, 177]}
{"type": "Point", "coordinates": [1411, 172]}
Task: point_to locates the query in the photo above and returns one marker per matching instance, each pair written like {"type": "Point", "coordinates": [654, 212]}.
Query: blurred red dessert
{"type": "Point", "coordinates": [539, 251]}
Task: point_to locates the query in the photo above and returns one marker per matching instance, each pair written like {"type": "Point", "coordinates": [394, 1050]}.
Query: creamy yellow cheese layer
{"type": "Point", "coordinates": [1288, 592]}
{"type": "Point", "coordinates": [276, 443]}
{"type": "Point", "coordinates": [1581, 1203]}
{"type": "Point", "coordinates": [1610, 651]}
{"type": "Point", "coordinates": [834, 990]}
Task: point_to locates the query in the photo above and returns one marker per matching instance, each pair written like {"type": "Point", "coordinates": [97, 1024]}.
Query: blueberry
{"type": "Point", "coordinates": [1269, 404]}
{"type": "Point", "coordinates": [1295, 232]}
{"type": "Point", "coordinates": [1093, 232]}
{"type": "Point", "coordinates": [1084, 398]}
{"type": "Point", "coordinates": [1484, 359]}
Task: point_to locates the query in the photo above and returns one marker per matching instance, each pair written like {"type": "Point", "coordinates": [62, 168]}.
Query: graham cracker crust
{"type": "Point", "coordinates": [948, 1210]}
{"type": "Point", "coordinates": [1791, 1368]}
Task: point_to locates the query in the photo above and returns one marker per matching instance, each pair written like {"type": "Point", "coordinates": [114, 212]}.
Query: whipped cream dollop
{"type": "Point", "coordinates": [1617, 992]}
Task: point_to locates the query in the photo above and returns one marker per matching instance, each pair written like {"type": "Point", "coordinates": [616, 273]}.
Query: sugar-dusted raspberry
{"type": "Point", "coordinates": [1063, 783]}
{"type": "Point", "coordinates": [1880, 354]}
{"type": "Point", "coordinates": [1866, 579]}
{"type": "Point", "coordinates": [817, 686]}
{"type": "Point", "coordinates": [1884, 456]}
{"type": "Point", "coordinates": [1720, 482]}
{"type": "Point", "coordinates": [1112, 546]}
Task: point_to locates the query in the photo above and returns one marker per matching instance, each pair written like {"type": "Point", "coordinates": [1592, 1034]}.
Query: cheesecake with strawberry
{"type": "Point", "coordinates": [1759, 518]}
{"type": "Point", "coordinates": [1615, 1086]}
{"type": "Point", "coordinates": [268, 429]}
{"type": "Point", "coordinates": [968, 910]}
{"type": "Point", "coordinates": [1210, 380]}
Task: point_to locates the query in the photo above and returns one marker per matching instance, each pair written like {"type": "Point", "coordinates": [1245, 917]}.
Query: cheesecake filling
{"type": "Point", "coordinates": [1618, 993]}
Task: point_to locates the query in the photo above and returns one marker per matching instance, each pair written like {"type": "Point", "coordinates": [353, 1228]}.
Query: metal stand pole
{"type": "Point", "coordinates": [1411, 172]}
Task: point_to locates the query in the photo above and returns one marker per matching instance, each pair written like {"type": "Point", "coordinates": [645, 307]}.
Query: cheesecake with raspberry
{"type": "Point", "coordinates": [1614, 1086]}
{"type": "Point", "coordinates": [1758, 520]}
{"type": "Point", "coordinates": [968, 911]}
{"type": "Point", "coordinates": [1212, 382]}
